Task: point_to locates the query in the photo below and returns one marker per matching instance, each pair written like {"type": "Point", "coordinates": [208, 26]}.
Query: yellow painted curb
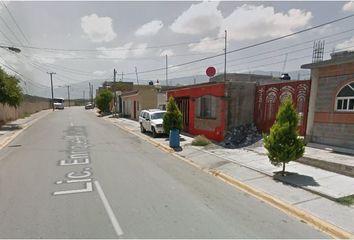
{"type": "Point", "coordinates": [316, 222]}
{"type": "Point", "coordinates": [325, 227]}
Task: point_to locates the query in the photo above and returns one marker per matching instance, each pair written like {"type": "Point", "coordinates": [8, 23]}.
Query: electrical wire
{"type": "Point", "coordinates": [14, 20]}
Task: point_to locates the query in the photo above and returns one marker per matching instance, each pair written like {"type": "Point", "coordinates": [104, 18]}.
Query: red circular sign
{"type": "Point", "coordinates": [210, 71]}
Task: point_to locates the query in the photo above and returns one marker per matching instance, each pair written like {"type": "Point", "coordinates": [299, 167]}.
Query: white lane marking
{"type": "Point", "coordinates": [109, 211]}
{"type": "Point", "coordinates": [87, 189]}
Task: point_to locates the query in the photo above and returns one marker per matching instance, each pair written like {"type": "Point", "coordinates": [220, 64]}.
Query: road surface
{"type": "Point", "coordinates": [74, 175]}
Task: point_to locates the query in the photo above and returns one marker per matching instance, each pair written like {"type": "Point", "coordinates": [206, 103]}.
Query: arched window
{"type": "Point", "coordinates": [345, 98]}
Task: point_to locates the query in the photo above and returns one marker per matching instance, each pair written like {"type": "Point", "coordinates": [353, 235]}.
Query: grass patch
{"type": "Point", "coordinates": [200, 140]}
{"type": "Point", "coordinates": [348, 200]}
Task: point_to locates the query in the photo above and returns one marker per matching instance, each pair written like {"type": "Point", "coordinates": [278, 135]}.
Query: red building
{"type": "Point", "coordinates": [203, 108]}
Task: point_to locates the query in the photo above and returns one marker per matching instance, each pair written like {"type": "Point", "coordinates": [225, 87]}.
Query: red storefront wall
{"type": "Point", "coordinates": [189, 94]}
{"type": "Point", "coordinates": [268, 98]}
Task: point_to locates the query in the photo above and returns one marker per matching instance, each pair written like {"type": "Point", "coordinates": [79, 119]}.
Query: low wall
{"type": "Point", "coordinates": [30, 105]}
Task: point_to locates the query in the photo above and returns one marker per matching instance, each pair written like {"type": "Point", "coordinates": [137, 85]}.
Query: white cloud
{"type": "Point", "coordinates": [52, 58]}
{"type": "Point", "coordinates": [198, 19]}
{"type": "Point", "coordinates": [115, 53]}
{"type": "Point", "coordinates": [150, 28]}
{"type": "Point", "coordinates": [208, 45]}
{"type": "Point", "coordinates": [346, 45]}
{"type": "Point", "coordinates": [139, 49]}
{"type": "Point", "coordinates": [252, 22]}
{"type": "Point", "coordinates": [348, 7]}
{"type": "Point", "coordinates": [168, 52]}
{"type": "Point", "coordinates": [43, 59]}
{"type": "Point", "coordinates": [98, 29]}
{"type": "Point", "coordinates": [99, 73]}
{"type": "Point", "coordinates": [246, 22]}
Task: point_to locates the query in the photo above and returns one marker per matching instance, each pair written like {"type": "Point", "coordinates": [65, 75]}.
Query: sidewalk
{"type": "Point", "coordinates": [10, 130]}
{"type": "Point", "coordinates": [309, 189]}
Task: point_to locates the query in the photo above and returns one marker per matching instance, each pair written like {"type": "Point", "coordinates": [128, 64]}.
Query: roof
{"type": "Point", "coordinates": [129, 93]}
{"type": "Point", "coordinates": [194, 85]}
{"type": "Point", "coordinates": [336, 59]}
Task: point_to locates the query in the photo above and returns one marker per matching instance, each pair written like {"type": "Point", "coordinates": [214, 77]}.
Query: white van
{"type": "Point", "coordinates": [58, 103]}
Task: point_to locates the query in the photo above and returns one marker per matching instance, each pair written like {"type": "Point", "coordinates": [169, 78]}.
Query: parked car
{"type": "Point", "coordinates": [151, 120]}
{"type": "Point", "coordinates": [89, 106]}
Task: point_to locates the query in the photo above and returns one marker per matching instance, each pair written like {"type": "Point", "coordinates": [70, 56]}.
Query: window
{"type": "Point", "coordinates": [345, 98]}
{"type": "Point", "coordinates": [206, 107]}
{"type": "Point", "coordinates": [158, 115]}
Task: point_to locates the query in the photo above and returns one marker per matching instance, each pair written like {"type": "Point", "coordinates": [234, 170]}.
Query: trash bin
{"type": "Point", "coordinates": [174, 138]}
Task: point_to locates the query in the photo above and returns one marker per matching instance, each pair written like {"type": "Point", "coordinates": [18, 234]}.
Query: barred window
{"type": "Point", "coordinates": [206, 107]}
{"type": "Point", "coordinates": [345, 98]}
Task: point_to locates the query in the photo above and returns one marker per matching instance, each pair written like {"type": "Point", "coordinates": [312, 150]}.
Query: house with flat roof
{"type": "Point", "coordinates": [331, 105]}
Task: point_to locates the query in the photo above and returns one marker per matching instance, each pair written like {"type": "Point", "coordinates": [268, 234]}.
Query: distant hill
{"type": "Point", "coordinates": [76, 90]}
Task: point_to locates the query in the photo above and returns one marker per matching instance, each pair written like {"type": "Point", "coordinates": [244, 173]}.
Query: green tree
{"type": "Point", "coordinates": [283, 143]}
{"type": "Point", "coordinates": [173, 117]}
{"type": "Point", "coordinates": [103, 100]}
{"type": "Point", "coordinates": [10, 92]}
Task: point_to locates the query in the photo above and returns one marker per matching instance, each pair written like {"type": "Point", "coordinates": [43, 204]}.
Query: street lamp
{"type": "Point", "coordinates": [14, 49]}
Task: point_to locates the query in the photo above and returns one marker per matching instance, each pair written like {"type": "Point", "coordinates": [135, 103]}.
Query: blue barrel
{"type": "Point", "coordinates": [174, 138]}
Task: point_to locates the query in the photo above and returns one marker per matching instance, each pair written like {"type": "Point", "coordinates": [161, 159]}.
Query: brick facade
{"type": "Point", "coordinates": [326, 124]}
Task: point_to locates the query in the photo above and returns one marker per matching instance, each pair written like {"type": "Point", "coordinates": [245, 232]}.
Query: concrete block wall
{"type": "Point", "coordinates": [336, 134]}
{"type": "Point", "coordinates": [241, 103]}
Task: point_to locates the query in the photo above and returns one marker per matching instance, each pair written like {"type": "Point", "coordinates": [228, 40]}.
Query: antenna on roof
{"type": "Point", "coordinates": [318, 50]}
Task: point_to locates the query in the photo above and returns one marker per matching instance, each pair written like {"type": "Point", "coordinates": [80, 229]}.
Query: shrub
{"type": "Point", "coordinates": [283, 143]}
{"type": "Point", "coordinates": [200, 140]}
{"type": "Point", "coordinates": [10, 92]}
{"type": "Point", "coordinates": [173, 117]}
{"type": "Point", "coordinates": [103, 100]}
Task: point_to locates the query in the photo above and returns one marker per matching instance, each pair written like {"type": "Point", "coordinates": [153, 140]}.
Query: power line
{"type": "Point", "coordinates": [251, 46]}
{"type": "Point", "coordinates": [12, 32]}
{"type": "Point", "coordinates": [8, 39]}
{"type": "Point", "coordinates": [14, 20]}
{"type": "Point", "coordinates": [114, 49]}
{"type": "Point", "coordinates": [271, 51]}
{"type": "Point", "coordinates": [297, 58]}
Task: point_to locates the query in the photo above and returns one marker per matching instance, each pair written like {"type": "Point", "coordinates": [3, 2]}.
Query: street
{"type": "Point", "coordinates": [73, 175]}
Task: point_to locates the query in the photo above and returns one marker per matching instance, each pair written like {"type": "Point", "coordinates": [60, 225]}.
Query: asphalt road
{"type": "Point", "coordinates": [74, 175]}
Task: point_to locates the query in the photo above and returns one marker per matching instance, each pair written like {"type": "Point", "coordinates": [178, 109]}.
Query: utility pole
{"type": "Point", "coordinates": [92, 93]}
{"type": "Point", "coordinates": [115, 92]}
{"type": "Point", "coordinates": [84, 96]}
{"type": "Point", "coordinates": [166, 70]}
{"type": "Point", "coordinates": [136, 73]}
{"type": "Point", "coordinates": [51, 85]}
{"type": "Point", "coordinates": [284, 64]}
{"type": "Point", "coordinates": [68, 94]}
{"type": "Point", "coordinates": [225, 56]}
{"type": "Point", "coordinates": [122, 76]}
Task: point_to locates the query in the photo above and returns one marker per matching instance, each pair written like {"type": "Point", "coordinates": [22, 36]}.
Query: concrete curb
{"type": "Point", "coordinates": [319, 224]}
{"type": "Point", "coordinates": [329, 166]}
{"type": "Point", "coordinates": [10, 138]}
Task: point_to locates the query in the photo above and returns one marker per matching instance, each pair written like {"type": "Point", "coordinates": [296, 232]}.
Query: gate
{"type": "Point", "coordinates": [268, 98]}
{"type": "Point", "coordinates": [183, 106]}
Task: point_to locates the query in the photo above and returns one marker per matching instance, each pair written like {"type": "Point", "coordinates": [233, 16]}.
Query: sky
{"type": "Point", "coordinates": [84, 41]}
